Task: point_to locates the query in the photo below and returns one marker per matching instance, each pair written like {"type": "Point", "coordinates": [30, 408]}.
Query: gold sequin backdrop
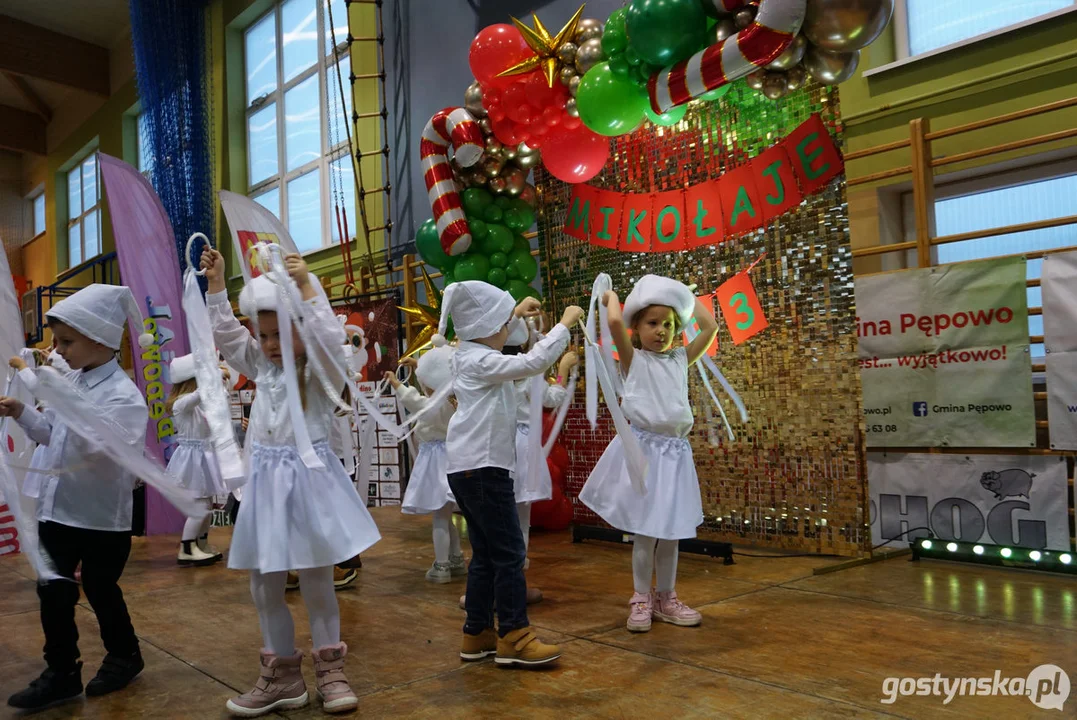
{"type": "Point", "coordinates": [793, 479]}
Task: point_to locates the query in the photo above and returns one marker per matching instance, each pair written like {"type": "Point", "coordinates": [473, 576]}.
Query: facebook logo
{"type": "Point", "coordinates": [919, 409]}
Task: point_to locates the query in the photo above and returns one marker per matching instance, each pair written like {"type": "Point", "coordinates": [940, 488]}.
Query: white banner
{"type": "Point", "coordinates": [1059, 285]}
{"type": "Point", "coordinates": [12, 438]}
{"type": "Point", "coordinates": [944, 356]}
{"type": "Point", "coordinates": [999, 499]}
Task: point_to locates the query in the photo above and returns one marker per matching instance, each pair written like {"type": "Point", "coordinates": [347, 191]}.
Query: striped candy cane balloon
{"type": "Point", "coordinates": [456, 126]}
{"type": "Point", "coordinates": [758, 45]}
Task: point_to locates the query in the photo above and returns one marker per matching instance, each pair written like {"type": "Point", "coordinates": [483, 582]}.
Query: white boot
{"type": "Point", "coordinates": [204, 546]}
{"type": "Point", "coordinates": [191, 554]}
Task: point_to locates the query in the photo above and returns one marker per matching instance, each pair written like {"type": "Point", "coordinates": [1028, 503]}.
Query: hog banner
{"type": "Point", "coordinates": [998, 499]}
{"type": "Point", "coordinates": [944, 356]}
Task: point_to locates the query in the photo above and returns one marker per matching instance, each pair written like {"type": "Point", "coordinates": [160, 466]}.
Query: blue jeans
{"type": "Point", "coordinates": [496, 573]}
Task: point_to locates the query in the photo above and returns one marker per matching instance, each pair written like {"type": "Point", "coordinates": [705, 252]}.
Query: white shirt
{"type": "Point", "coordinates": [191, 423]}
{"type": "Point", "coordinates": [270, 423]}
{"type": "Point", "coordinates": [482, 432]}
{"type": "Point", "coordinates": [656, 393]}
{"type": "Point", "coordinates": [88, 490]}
{"type": "Point", "coordinates": [552, 396]}
{"type": "Point", "coordinates": [434, 424]}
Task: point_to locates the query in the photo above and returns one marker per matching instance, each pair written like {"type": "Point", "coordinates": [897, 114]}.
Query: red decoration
{"type": "Point", "coordinates": [740, 201]}
{"type": "Point", "coordinates": [555, 513]}
{"type": "Point", "coordinates": [703, 225]}
{"type": "Point", "coordinates": [669, 220]}
{"type": "Point", "coordinates": [708, 302]}
{"type": "Point", "coordinates": [574, 155]}
{"type": "Point", "coordinates": [816, 161]}
{"type": "Point", "coordinates": [637, 223]}
{"type": "Point", "coordinates": [740, 307]}
{"type": "Point", "coordinates": [495, 48]}
{"type": "Point", "coordinates": [776, 182]}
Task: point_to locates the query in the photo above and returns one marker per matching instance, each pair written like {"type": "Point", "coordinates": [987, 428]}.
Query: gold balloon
{"type": "Point", "coordinates": [774, 85]}
{"type": "Point", "coordinates": [528, 194]}
{"type": "Point", "coordinates": [567, 73]}
{"type": "Point", "coordinates": [755, 80]}
{"type": "Point", "coordinates": [494, 148]}
{"type": "Point", "coordinates": [744, 17]}
{"type": "Point", "coordinates": [515, 179]}
{"type": "Point", "coordinates": [846, 25]}
{"type": "Point", "coordinates": [831, 68]}
{"type": "Point", "coordinates": [476, 179]}
{"type": "Point", "coordinates": [589, 54]}
{"type": "Point", "coordinates": [527, 157]}
{"type": "Point", "coordinates": [491, 166]}
{"type": "Point", "coordinates": [497, 185]}
{"type": "Point", "coordinates": [725, 28]}
{"type": "Point", "coordinates": [588, 29]}
{"type": "Point", "coordinates": [792, 55]}
{"type": "Point", "coordinates": [795, 77]}
{"type": "Point", "coordinates": [574, 85]}
{"type": "Point", "coordinates": [566, 53]}
{"type": "Point", "coordinates": [508, 152]}
{"type": "Point", "coordinates": [571, 109]}
{"type": "Point", "coordinates": [484, 125]}
{"type": "Point", "coordinates": [473, 100]}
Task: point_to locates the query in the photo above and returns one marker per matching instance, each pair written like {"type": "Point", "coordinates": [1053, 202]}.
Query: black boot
{"type": "Point", "coordinates": [115, 673]}
{"type": "Point", "coordinates": [50, 688]}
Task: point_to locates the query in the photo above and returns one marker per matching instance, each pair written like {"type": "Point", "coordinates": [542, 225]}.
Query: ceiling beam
{"type": "Point", "coordinates": [28, 94]}
{"type": "Point", "coordinates": [36, 52]}
{"type": "Point", "coordinates": [21, 131]}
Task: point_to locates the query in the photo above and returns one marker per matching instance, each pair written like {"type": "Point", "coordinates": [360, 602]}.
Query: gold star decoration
{"type": "Point", "coordinates": [428, 314]}
{"type": "Point", "coordinates": [545, 46]}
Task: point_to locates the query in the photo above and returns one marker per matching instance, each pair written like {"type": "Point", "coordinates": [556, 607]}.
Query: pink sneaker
{"type": "Point", "coordinates": [336, 694]}
{"type": "Point", "coordinates": [279, 687]}
{"type": "Point", "coordinates": [639, 620]}
{"type": "Point", "coordinates": [668, 608]}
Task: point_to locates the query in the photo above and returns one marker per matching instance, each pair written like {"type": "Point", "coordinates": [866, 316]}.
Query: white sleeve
{"type": "Point", "coordinates": [239, 349]}
{"type": "Point", "coordinates": [495, 368]}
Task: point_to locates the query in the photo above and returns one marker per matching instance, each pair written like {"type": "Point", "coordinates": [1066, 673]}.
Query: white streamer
{"type": "Point", "coordinates": [562, 412]}
{"type": "Point", "coordinates": [708, 362]}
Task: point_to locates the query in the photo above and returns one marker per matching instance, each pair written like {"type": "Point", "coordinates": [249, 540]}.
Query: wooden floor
{"type": "Point", "coordinates": [776, 641]}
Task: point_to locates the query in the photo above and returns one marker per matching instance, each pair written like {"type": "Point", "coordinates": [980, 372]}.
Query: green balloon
{"type": "Point", "coordinates": [643, 73]}
{"type": "Point", "coordinates": [499, 260]}
{"type": "Point", "coordinates": [525, 265]}
{"type": "Point", "coordinates": [516, 220]}
{"type": "Point", "coordinates": [632, 57]}
{"type": "Point", "coordinates": [448, 265]}
{"type": "Point", "coordinates": [503, 201]}
{"type": "Point", "coordinates": [664, 32]}
{"type": "Point", "coordinates": [619, 66]}
{"type": "Point", "coordinates": [448, 278]}
{"type": "Point", "coordinates": [475, 200]}
{"type": "Point", "coordinates": [428, 244]}
{"type": "Point", "coordinates": [492, 214]}
{"type": "Point", "coordinates": [527, 215]}
{"type": "Point", "coordinates": [478, 229]}
{"type": "Point", "coordinates": [614, 39]}
{"type": "Point", "coordinates": [471, 266]}
{"type": "Point", "coordinates": [715, 94]}
{"type": "Point", "coordinates": [521, 243]}
{"type": "Point", "coordinates": [497, 277]}
{"type": "Point", "coordinates": [513, 272]}
{"type": "Point", "coordinates": [519, 290]}
{"type": "Point", "coordinates": [609, 105]}
{"type": "Point", "coordinates": [498, 240]}
{"type": "Point", "coordinates": [671, 117]}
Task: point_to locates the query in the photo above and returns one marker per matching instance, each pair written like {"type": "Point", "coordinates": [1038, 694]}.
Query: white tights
{"type": "Point", "coordinates": [446, 536]}
{"type": "Point", "coordinates": [524, 511]}
{"type": "Point", "coordinates": [278, 631]}
{"type": "Point", "coordinates": [194, 528]}
{"type": "Point", "coordinates": [657, 557]}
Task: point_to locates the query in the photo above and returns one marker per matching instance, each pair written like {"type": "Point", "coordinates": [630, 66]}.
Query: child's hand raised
{"type": "Point", "coordinates": [528, 307]}
{"type": "Point", "coordinates": [409, 362]}
{"type": "Point", "coordinates": [213, 263]}
{"type": "Point", "coordinates": [573, 314]}
{"type": "Point", "coordinates": [17, 362]}
{"type": "Point", "coordinates": [297, 269]}
{"type": "Point", "coordinates": [390, 377]}
{"type": "Point", "coordinates": [610, 296]}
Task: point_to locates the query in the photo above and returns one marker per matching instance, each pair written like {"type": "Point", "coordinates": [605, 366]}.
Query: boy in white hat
{"type": "Point", "coordinates": [84, 509]}
{"type": "Point", "coordinates": [481, 444]}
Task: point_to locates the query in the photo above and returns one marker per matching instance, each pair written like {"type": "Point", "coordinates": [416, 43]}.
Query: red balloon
{"type": "Point", "coordinates": [527, 114]}
{"type": "Point", "coordinates": [535, 141]}
{"type": "Point", "coordinates": [574, 156]}
{"type": "Point", "coordinates": [557, 475]}
{"type": "Point", "coordinates": [496, 114]}
{"type": "Point", "coordinates": [558, 456]}
{"type": "Point", "coordinates": [496, 48]}
{"type": "Point", "coordinates": [506, 130]}
{"type": "Point", "coordinates": [551, 115]}
{"type": "Point", "coordinates": [540, 128]}
{"type": "Point", "coordinates": [571, 123]}
{"type": "Point", "coordinates": [513, 99]}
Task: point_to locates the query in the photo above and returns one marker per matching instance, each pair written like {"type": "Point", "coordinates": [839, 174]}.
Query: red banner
{"type": "Point", "coordinates": [741, 308]}
{"type": "Point", "coordinates": [742, 200]}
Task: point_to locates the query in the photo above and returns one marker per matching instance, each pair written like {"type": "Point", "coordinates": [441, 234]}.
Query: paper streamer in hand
{"type": "Point", "coordinates": [708, 362]}
{"type": "Point", "coordinates": [83, 418]}
{"type": "Point", "coordinates": [601, 352]}
{"type": "Point", "coordinates": [562, 412]}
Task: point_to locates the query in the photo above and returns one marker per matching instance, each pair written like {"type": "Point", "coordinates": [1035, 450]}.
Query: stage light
{"type": "Point", "coordinates": [952, 547]}
{"type": "Point", "coordinates": [1065, 558]}
{"type": "Point", "coordinates": [987, 554]}
{"type": "Point", "coordinates": [978, 549]}
{"type": "Point", "coordinates": [925, 544]}
{"type": "Point", "coordinates": [1035, 555]}
{"type": "Point", "coordinates": [1005, 552]}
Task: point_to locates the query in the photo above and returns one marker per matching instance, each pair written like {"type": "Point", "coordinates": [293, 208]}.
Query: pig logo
{"type": "Point", "coordinates": [1007, 483]}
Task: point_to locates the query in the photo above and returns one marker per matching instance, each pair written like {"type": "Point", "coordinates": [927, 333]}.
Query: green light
{"type": "Point", "coordinates": [1035, 555]}
{"type": "Point", "coordinates": [925, 544]}
{"type": "Point", "coordinates": [978, 549]}
{"type": "Point", "coordinates": [952, 547]}
{"type": "Point", "coordinates": [1006, 552]}
{"type": "Point", "coordinates": [1065, 559]}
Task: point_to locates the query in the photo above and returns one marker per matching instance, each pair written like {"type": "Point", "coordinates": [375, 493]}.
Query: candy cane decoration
{"type": "Point", "coordinates": [755, 47]}
{"type": "Point", "coordinates": [455, 125]}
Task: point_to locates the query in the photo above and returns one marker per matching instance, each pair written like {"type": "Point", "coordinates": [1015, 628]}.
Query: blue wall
{"type": "Point", "coordinates": [426, 49]}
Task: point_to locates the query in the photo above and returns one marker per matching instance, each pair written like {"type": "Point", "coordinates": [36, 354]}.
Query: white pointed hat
{"type": "Point", "coordinates": [658, 290]}
{"type": "Point", "coordinates": [99, 312]}
{"type": "Point", "coordinates": [477, 309]}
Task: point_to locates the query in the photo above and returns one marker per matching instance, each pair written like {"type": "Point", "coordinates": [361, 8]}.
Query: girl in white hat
{"type": "Point", "coordinates": [193, 462]}
{"type": "Point", "coordinates": [300, 510]}
{"type": "Point", "coordinates": [428, 485]}
{"type": "Point", "coordinates": [656, 404]}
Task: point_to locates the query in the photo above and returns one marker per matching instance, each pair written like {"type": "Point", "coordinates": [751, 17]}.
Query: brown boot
{"type": "Point", "coordinates": [280, 687]}
{"type": "Point", "coordinates": [522, 647]}
{"type": "Point", "coordinates": [333, 688]}
{"type": "Point", "coordinates": [477, 647]}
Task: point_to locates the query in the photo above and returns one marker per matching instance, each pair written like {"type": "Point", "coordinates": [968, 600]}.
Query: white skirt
{"type": "Point", "coordinates": [428, 486]}
{"type": "Point", "coordinates": [295, 518]}
{"type": "Point", "coordinates": [194, 466]}
{"type": "Point", "coordinates": [671, 508]}
{"type": "Point", "coordinates": [529, 490]}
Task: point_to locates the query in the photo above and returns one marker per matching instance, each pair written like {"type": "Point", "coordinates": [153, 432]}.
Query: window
{"type": "Point", "coordinates": [84, 216]}
{"type": "Point", "coordinates": [38, 205]}
{"type": "Point", "coordinates": [1026, 202]}
{"type": "Point", "coordinates": [145, 149]}
{"type": "Point", "coordinates": [298, 164]}
{"type": "Point", "coordinates": [932, 24]}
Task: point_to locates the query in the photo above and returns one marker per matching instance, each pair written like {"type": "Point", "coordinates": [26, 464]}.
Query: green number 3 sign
{"type": "Point", "coordinates": [739, 304]}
